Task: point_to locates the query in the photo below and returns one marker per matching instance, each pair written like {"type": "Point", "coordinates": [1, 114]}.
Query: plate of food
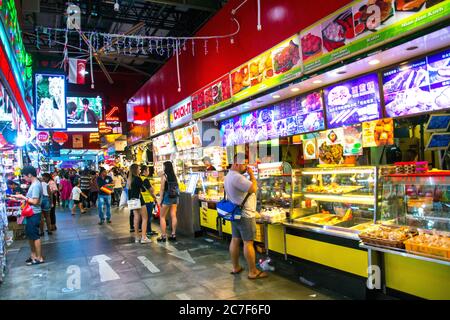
{"type": "Point", "coordinates": [286, 58]}
{"type": "Point", "coordinates": [310, 148]}
{"type": "Point", "coordinates": [311, 45]}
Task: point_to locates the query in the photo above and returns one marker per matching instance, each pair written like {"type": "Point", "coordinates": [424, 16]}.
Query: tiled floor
{"type": "Point", "coordinates": [111, 266]}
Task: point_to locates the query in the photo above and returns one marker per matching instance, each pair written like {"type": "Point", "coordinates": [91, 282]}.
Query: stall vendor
{"type": "Point", "coordinates": [208, 164]}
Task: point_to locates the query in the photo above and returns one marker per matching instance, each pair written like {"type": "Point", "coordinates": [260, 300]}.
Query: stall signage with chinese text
{"type": "Point", "coordinates": [181, 113]}
{"type": "Point", "coordinates": [159, 123]}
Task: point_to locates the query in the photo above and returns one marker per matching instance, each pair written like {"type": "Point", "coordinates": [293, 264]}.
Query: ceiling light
{"type": "Point", "coordinates": [234, 111]}
{"type": "Point", "coordinates": [317, 81]}
{"type": "Point", "coordinates": [295, 89]}
{"type": "Point", "coordinates": [374, 62]}
{"type": "Point", "coordinates": [213, 119]}
{"type": "Point", "coordinates": [222, 115]}
{"type": "Point", "coordinates": [276, 96]}
{"type": "Point", "coordinates": [247, 107]}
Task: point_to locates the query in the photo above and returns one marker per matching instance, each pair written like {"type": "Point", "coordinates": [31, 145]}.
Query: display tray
{"type": "Point", "coordinates": [342, 190]}
{"type": "Point", "coordinates": [426, 250]}
{"type": "Point", "coordinates": [371, 240]}
{"type": "Point", "coordinates": [382, 242]}
{"type": "Point", "coordinates": [320, 219]}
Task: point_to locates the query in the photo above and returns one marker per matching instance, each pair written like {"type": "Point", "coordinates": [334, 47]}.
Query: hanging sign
{"type": "Point", "coordinates": [159, 123]}
{"type": "Point", "coordinates": [43, 137]}
{"type": "Point", "coordinates": [181, 113]}
{"type": "Point", "coordinates": [60, 137]}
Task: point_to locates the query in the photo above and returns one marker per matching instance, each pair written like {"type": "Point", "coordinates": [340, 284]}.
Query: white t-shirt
{"type": "Point", "coordinates": [57, 179]}
{"type": "Point", "coordinates": [76, 192]}
{"type": "Point", "coordinates": [44, 189]}
{"type": "Point", "coordinates": [236, 187]}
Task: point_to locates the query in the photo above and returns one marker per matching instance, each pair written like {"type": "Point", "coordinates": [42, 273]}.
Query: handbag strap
{"type": "Point", "coordinates": [243, 202]}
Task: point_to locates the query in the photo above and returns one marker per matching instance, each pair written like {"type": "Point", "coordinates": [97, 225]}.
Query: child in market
{"type": "Point", "coordinates": [76, 193]}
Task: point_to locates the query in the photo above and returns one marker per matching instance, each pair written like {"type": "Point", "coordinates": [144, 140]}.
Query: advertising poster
{"type": "Point", "coordinates": [181, 113]}
{"type": "Point", "coordinates": [275, 66]}
{"type": "Point", "coordinates": [353, 101]}
{"type": "Point", "coordinates": [84, 113]}
{"type": "Point", "coordinates": [378, 133]}
{"type": "Point", "coordinates": [439, 74]}
{"type": "Point", "coordinates": [353, 140]}
{"type": "Point", "coordinates": [164, 144]}
{"type": "Point", "coordinates": [77, 142]}
{"type": "Point", "coordinates": [159, 123]}
{"type": "Point", "coordinates": [330, 144]}
{"type": "Point", "coordinates": [188, 138]}
{"type": "Point", "coordinates": [351, 29]}
{"type": "Point", "coordinates": [213, 97]}
{"type": "Point", "coordinates": [310, 149]}
{"type": "Point", "coordinates": [50, 95]}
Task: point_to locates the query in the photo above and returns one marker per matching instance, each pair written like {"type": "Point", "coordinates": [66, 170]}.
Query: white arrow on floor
{"type": "Point", "coordinates": [184, 254]}
{"type": "Point", "coordinates": [106, 272]}
{"type": "Point", "coordinates": [148, 264]}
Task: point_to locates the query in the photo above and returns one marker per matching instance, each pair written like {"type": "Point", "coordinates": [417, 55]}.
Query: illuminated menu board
{"type": "Point", "coordinates": [291, 117]}
{"type": "Point", "coordinates": [353, 101]}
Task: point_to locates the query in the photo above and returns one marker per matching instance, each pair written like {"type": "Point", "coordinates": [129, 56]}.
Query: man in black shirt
{"type": "Point", "coordinates": [104, 198]}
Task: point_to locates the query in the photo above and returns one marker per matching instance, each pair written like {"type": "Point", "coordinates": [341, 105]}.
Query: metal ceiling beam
{"type": "Point", "coordinates": [203, 5]}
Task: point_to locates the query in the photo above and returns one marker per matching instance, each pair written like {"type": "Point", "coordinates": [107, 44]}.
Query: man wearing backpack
{"type": "Point", "coordinates": [237, 186]}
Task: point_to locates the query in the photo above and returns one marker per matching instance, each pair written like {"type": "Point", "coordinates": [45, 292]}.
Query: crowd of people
{"type": "Point", "coordinates": [85, 189]}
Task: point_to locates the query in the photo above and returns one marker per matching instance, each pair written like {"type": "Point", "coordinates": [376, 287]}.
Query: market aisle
{"type": "Point", "coordinates": [113, 267]}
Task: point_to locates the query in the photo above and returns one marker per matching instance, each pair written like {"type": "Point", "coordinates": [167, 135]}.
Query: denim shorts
{"type": "Point", "coordinates": [244, 228]}
{"type": "Point", "coordinates": [32, 226]}
{"type": "Point", "coordinates": [169, 201]}
{"type": "Point", "coordinates": [45, 204]}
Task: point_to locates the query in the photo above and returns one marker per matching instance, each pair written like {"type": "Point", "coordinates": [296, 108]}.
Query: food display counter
{"type": "Point", "coordinates": [211, 191]}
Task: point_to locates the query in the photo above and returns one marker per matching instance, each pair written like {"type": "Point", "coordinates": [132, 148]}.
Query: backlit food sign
{"type": "Point", "coordinates": [159, 123]}
{"type": "Point", "coordinates": [213, 97]}
{"type": "Point", "coordinates": [181, 113]}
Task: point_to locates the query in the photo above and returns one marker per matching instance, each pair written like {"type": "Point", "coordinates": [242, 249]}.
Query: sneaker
{"type": "Point", "coordinates": [108, 221]}
{"type": "Point", "coordinates": [100, 223]}
{"type": "Point", "coordinates": [136, 240]}
{"type": "Point", "coordinates": [146, 240]}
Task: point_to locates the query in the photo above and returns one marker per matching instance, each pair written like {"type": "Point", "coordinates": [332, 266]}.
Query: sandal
{"type": "Point", "coordinates": [260, 275]}
{"type": "Point", "coordinates": [34, 262]}
{"type": "Point", "coordinates": [161, 239]}
{"type": "Point", "coordinates": [172, 237]}
{"type": "Point", "coordinates": [238, 271]}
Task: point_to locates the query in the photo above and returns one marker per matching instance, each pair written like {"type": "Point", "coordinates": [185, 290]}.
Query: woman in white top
{"type": "Point", "coordinates": [118, 186]}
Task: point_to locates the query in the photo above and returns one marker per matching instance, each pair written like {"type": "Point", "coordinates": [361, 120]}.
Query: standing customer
{"type": "Point", "coordinates": [237, 187]}
{"type": "Point", "coordinates": [104, 198]}
{"type": "Point", "coordinates": [94, 189]}
{"type": "Point", "coordinates": [65, 190]}
{"type": "Point", "coordinates": [135, 187]}
{"type": "Point", "coordinates": [149, 197]}
{"type": "Point", "coordinates": [33, 198]}
{"type": "Point", "coordinates": [76, 193]}
{"type": "Point", "coordinates": [169, 195]}
{"type": "Point", "coordinates": [53, 195]}
{"type": "Point", "coordinates": [45, 206]}
{"type": "Point", "coordinates": [85, 187]}
{"type": "Point", "coordinates": [118, 186]}
{"type": "Point", "coordinates": [57, 179]}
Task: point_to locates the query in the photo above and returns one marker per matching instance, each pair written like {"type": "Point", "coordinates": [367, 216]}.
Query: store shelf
{"type": "Point", "coordinates": [354, 199]}
{"type": "Point", "coordinates": [403, 253]}
{"type": "Point", "coordinates": [323, 230]}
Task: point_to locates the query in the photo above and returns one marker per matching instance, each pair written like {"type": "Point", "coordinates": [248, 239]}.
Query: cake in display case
{"type": "Point", "coordinates": [335, 199]}
{"type": "Point", "coordinates": [212, 186]}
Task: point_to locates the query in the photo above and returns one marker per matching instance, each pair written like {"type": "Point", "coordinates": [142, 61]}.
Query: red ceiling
{"type": "Point", "coordinates": [280, 20]}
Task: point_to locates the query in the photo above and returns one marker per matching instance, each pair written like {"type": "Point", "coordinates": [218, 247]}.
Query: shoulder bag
{"type": "Point", "coordinates": [229, 211]}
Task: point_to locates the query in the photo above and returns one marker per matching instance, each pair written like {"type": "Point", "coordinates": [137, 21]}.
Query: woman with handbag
{"type": "Point", "coordinates": [137, 204]}
{"type": "Point", "coordinates": [32, 210]}
{"type": "Point", "coordinates": [169, 195]}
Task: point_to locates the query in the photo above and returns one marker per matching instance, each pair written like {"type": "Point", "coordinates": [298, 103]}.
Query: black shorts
{"type": "Point", "coordinates": [76, 202]}
{"type": "Point", "coordinates": [32, 227]}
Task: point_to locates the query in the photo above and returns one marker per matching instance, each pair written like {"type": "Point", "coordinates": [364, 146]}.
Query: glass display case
{"type": "Point", "coordinates": [421, 200]}
{"type": "Point", "coordinates": [275, 191]}
{"type": "Point", "coordinates": [212, 186]}
{"type": "Point", "coordinates": [340, 199]}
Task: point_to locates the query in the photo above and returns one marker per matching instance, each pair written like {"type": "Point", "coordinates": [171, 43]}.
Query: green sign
{"type": "Point", "coordinates": [355, 40]}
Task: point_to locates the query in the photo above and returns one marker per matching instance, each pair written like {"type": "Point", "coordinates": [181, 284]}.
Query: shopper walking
{"type": "Point", "coordinates": [149, 197]}
{"type": "Point", "coordinates": [33, 198]}
{"type": "Point", "coordinates": [45, 206]}
{"type": "Point", "coordinates": [241, 190]}
{"type": "Point", "coordinates": [53, 195]}
{"type": "Point", "coordinates": [85, 186]}
{"type": "Point", "coordinates": [65, 190]}
{"type": "Point", "coordinates": [76, 197]}
{"type": "Point", "coordinates": [118, 186]}
{"type": "Point", "coordinates": [57, 179]}
{"type": "Point", "coordinates": [135, 187]}
{"type": "Point", "coordinates": [169, 195]}
{"type": "Point", "coordinates": [104, 197]}
{"type": "Point", "coordinates": [94, 189]}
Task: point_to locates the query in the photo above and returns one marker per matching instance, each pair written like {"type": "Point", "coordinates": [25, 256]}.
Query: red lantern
{"type": "Point", "coordinates": [60, 137]}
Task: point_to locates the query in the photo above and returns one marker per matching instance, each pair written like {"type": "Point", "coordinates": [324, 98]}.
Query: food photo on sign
{"type": "Point", "coordinates": [84, 113]}
{"type": "Point", "coordinates": [331, 146]}
{"type": "Point", "coordinates": [50, 95]}
{"type": "Point", "coordinates": [378, 133]}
